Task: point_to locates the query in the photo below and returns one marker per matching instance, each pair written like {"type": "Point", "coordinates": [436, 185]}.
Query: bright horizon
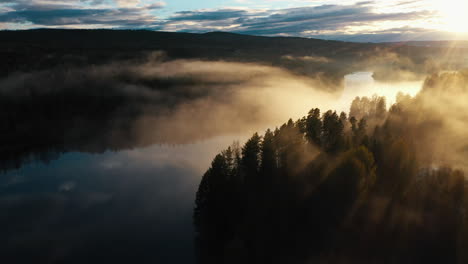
{"type": "Point", "coordinates": [375, 21]}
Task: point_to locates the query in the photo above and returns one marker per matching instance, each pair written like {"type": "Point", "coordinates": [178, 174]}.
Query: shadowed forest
{"type": "Point", "coordinates": [368, 186]}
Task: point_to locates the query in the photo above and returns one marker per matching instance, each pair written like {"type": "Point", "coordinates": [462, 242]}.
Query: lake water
{"type": "Point", "coordinates": [131, 206]}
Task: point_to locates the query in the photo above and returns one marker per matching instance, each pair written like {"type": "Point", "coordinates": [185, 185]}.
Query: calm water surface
{"type": "Point", "coordinates": [131, 206]}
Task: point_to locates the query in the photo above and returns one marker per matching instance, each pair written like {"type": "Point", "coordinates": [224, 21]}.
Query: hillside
{"type": "Point", "coordinates": [34, 50]}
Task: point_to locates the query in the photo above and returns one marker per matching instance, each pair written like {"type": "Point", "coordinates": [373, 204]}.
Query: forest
{"type": "Point", "coordinates": [375, 185]}
{"type": "Point", "coordinates": [105, 133]}
{"type": "Point", "coordinates": [97, 90]}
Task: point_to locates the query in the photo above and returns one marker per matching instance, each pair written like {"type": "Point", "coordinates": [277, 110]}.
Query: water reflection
{"type": "Point", "coordinates": [130, 206]}
{"type": "Point", "coordinates": [121, 207]}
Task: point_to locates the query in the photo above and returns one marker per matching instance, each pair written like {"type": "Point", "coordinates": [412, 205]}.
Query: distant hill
{"type": "Point", "coordinates": [438, 44]}
{"type": "Point", "coordinates": [33, 50]}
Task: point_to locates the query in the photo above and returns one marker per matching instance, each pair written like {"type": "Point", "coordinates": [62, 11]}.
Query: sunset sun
{"type": "Point", "coordinates": [453, 14]}
{"type": "Point", "coordinates": [234, 131]}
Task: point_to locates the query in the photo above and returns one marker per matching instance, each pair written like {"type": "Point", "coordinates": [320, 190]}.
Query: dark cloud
{"type": "Point", "coordinates": [222, 14]}
{"type": "Point", "coordinates": [293, 21]}
{"type": "Point", "coordinates": [73, 13]}
{"type": "Point", "coordinates": [58, 17]}
{"type": "Point", "coordinates": [54, 4]}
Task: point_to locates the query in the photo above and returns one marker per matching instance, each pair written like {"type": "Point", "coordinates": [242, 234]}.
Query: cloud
{"type": "Point", "coordinates": [221, 14]}
{"type": "Point", "coordinates": [361, 21]}
{"type": "Point", "coordinates": [127, 3]}
{"type": "Point", "coordinates": [81, 13]}
{"type": "Point", "coordinates": [59, 17]}
{"type": "Point", "coordinates": [303, 21]}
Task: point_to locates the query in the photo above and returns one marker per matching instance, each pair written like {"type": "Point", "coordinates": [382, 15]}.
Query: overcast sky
{"type": "Point", "coordinates": [384, 20]}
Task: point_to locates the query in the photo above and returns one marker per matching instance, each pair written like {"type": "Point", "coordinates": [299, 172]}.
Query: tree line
{"type": "Point", "coordinates": [333, 188]}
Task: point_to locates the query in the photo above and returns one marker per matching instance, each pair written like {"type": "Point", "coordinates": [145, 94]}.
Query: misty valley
{"type": "Point", "coordinates": [227, 148]}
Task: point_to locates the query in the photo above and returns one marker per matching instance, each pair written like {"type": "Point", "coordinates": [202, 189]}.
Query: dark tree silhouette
{"type": "Point", "coordinates": [314, 127]}
{"type": "Point", "coordinates": [332, 132]}
{"type": "Point", "coordinates": [325, 190]}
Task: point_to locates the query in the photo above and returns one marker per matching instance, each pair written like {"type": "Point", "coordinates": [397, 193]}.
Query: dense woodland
{"type": "Point", "coordinates": [339, 188]}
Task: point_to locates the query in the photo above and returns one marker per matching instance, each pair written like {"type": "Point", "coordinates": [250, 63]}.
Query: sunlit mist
{"type": "Point", "coordinates": [147, 146]}
{"type": "Point", "coordinates": [363, 84]}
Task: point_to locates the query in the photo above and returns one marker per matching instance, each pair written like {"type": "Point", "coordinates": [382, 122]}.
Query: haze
{"type": "Point", "coordinates": [238, 131]}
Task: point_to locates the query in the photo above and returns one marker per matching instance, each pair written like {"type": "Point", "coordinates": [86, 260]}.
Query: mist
{"type": "Point", "coordinates": [123, 105]}
{"type": "Point", "coordinates": [104, 147]}
{"type": "Point", "coordinates": [375, 184]}
{"type": "Point", "coordinates": [440, 113]}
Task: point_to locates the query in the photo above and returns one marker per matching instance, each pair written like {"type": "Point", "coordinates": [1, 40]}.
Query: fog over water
{"type": "Point", "coordinates": [132, 204]}
{"type": "Point", "coordinates": [362, 84]}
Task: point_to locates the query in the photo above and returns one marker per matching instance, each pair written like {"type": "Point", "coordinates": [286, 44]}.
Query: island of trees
{"type": "Point", "coordinates": [335, 188]}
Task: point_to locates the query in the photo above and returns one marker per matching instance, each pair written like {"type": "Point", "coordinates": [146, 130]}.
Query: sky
{"type": "Point", "coordinates": [373, 21]}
